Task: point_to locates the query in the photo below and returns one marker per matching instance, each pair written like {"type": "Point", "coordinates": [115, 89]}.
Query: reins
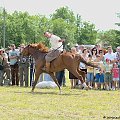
{"type": "Point", "coordinates": [58, 48]}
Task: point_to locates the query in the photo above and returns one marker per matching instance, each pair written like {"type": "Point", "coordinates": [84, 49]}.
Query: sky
{"type": "Point", "coordinates": [102, 13]}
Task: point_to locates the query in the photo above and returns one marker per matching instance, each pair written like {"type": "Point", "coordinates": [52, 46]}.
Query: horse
{"type": "Point", "coordinates": [66, 60]}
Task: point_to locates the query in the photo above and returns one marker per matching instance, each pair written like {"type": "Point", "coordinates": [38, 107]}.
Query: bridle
{"type": "Point", "coordinates": [28, 50]}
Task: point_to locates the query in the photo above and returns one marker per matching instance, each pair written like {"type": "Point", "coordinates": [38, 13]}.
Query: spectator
{"type": "Point", "coordinates": [101, 53]}
{"type": "Point", "coordinates": [94, 53]}
{"type": "Point", "coordinates": [23, 68]}
{"type": "Point", "coordinates": [99, 76]}
{"type": "Point", "coordinates": [72, 78]}
{"type": "Point", "coordinates": [115, 75]}
{"type": "Point", "coordinates": [85, 56]}
{"type": "Point", "coordinates": [80, 48]}
{"type": "Point", "coordinates": [1, 68]}
{"type": "Point", "coordinates": [90, 72]}
{"type": "Point", "coordinates": [13, 56]}
{"type": "Point", "coordinates": [108, 75]}
{"type": "Point", "coordinates": [60, 77]}
{"type": "Point", "coordinates": [98, 47]}
{"type": "Point", "coordinates": [118, 55]}
{"type": "Point", "coordinates": [77, 47]}
{"type": "Point", "coordinates": [6, 68]}
{"type": "Point", "coordinates": [110, 55]}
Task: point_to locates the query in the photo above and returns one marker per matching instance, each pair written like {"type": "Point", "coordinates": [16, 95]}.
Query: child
{"type": "Point", "coordinates": [108, 75]}
{"type": "Point", "coordinates": [90, 72]}
{"type": "Point", "coordinates": [99, 72]}
{"type": "Point", "coordinates": [115, 75]}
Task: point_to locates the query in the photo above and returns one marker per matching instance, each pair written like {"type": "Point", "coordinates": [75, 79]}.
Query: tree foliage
{"type": "Point", "coordinates": [24, 28]}
{"type": "Point", "coordinates": [65, 14]}
{"type": "Point", "coordinates": [111, 37]}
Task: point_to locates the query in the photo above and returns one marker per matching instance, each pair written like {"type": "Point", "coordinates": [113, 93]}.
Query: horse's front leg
{"type": "Point", "coordinates": [56, 81]}
{"type": "Point", "coordinates": [37, 74]}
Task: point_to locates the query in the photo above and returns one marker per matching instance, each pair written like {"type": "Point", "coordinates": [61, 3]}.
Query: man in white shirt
{"type": "Point", "coordinates": [55, 50]}
{"type": "Point", "coordinates": [110, 55]}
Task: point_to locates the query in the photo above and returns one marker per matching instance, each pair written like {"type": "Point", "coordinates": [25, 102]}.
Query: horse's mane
{"type": "Point", "coordinates": [40, 46]}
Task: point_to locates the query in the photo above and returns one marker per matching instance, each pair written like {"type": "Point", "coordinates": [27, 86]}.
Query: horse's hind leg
{"type": "Point", "coordinates": [55, 80]}
{"type": "Point", "coordinates": [37, 74]}
{"type": "Point", "coordinates": [81, 76]}
{"type": "Point", "coordinates": [82, 73]}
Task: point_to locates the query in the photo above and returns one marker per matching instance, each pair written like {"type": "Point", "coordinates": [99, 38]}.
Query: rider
{"type": "Point", "coordinates": [55, 50]}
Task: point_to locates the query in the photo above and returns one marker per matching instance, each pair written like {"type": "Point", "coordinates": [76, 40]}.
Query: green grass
{"type": "Point", "coordinates": [17, 103]}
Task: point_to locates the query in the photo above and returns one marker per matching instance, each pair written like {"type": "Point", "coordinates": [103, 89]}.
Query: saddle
{"type": "Point", "coordinates": [52, 55]}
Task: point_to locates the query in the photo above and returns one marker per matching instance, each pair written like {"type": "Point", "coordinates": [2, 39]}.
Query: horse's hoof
{"type": "Point", "coordinates": [90, 87]}
{"type": "Point", "coordinates": [86, 88]}
{"type": "Point", "coordinates": [32, 91]}
{"type": "Point", "coordinates": [60, 92]}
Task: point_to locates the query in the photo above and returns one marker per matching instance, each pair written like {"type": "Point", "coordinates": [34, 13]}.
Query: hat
{"type": "Point", "coordinates": [76, 45]}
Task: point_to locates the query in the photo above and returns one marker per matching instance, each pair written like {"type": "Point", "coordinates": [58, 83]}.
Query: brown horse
{"type": "Point", "coordinates": [65, 60]}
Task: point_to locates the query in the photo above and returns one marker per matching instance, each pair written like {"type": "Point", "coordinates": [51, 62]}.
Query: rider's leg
{"type": "Point", "coordinates": [47, 66]}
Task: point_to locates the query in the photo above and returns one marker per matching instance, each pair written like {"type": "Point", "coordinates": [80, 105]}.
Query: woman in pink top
{"type": "Point", "coordinates": [115, 75]}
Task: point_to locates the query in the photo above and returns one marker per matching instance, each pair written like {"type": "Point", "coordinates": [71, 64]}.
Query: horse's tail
{"type": "Point", "coordinates": [81, 59]}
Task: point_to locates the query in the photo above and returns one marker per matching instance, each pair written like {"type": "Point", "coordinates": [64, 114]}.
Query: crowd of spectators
{"type": "Point", "coordinates": [15, 70]}
{"type": "Point", "coordinates": [108, 76]}
{"type": "Point", "coordinates": [19, 70]}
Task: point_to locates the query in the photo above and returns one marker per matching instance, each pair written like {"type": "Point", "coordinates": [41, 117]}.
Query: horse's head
{"type": "Point", "coordinates": [25, 51]}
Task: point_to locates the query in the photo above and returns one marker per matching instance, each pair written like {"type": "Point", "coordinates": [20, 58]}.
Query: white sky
{"type": "Point", "coordinates": [100, 12]}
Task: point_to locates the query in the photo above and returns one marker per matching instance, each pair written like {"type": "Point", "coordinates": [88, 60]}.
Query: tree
{"type": "Point", "coordinates": [85, 32]}
{"type": "Point", "coordinates": [111, 37]}
{"type": "Point", "coordinates": [24, 28]}
{"type": "Point", "coordinates": [65, 14]}
{"type": "Point", "coordinates": [63, 24]}
{"type": "Point", "coordinates": [64, 30]}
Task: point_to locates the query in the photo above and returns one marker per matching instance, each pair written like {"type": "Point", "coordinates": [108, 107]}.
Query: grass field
{"type": "Point", "coordinates": [17, 103]}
